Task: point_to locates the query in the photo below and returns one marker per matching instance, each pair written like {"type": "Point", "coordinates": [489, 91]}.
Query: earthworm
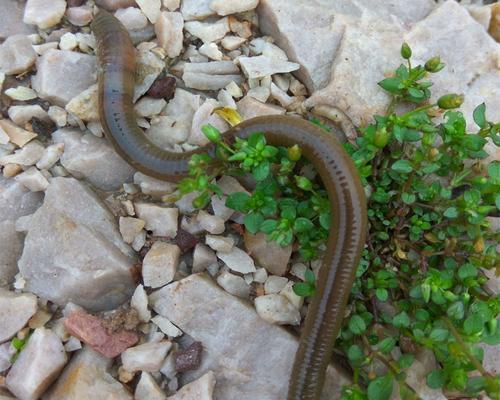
{"type": "Point", "coordinates": [116, 57]}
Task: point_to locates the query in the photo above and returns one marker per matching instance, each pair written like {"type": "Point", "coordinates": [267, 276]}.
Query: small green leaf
{"type": "Point", "coordinates": [402, 166]}
{"type": "Point", "coordinates": [456, 310]}
{"type": "Point", "coordinates": [380, 388]}
{"type": "Point", "coordinates": [303, 289]}
{"type": "Point", "coordinates": [238, 201]}
{"type": "Point", "coordinates": [438, 335]}
{"type": "Point", "coordinates": [386, 345]}
{"type": "Point", "coordinates": [408, 198]}
{"type": "Point", "coordinates": [253, 222]}
{"type": "Point", "coordinates": [211, 132]}
{"type": "Point", "coordinates": [355, 353]}
{"type": "Point", "coordinates": [392, 85]}
{"type": "Point", "coordinates": [435, 379]}
{"type": "Point", "coordinates": [309, 276]}
{"type": "Point", "coordinates": [473, 142]}
{"type": "Point", "coordinates": [302, 225]}
{"type": "Point", "coordinates": [357, 325]}
{"type": "Point", "coordinates": [268, 226]}
{"type": "Point", "coordinates": [451, 212]}
{"type": "Point", "coordinates": [401, 320]}
{"type": "Point", "coordinates": [473, 324]}
{"type": "Point", "coordinates": [494, 172]}
{"type": "Point", "coordinates": [406, 360]}
{"type": "Point", "coordinates": [467, 271]}
{"type": "Point", "coordinates": [450, 101]}
{"type": "Point", "coordinates": [479, 115]}
{"type": "Point", "coordinates": [262, 170]}
{"type": "Point", "coordinates": [303, 183]}
{"type": "Point", "coordinates": [382, 294]}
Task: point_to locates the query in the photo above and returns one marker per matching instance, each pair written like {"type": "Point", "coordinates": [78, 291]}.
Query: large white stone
{"type": "Point", "coordinates": [16, 55]}
{"type": "Point", "coordinates": [277, 309]}
{"type": "Point", "coordinates": [63, 74]}
{"type": "Point", "coordinates": [251, 358]}
{"type": "Point", "coordinates": [196, 9]}
{"type": "Point", "coordinates": [74, 252]}
{"type": "Point", "coordinates": [160, 220]}
{"type": "Point", "coordinates": [168, 30]}
{"type": "Point", "coordinates": [87, 377]}
{"type": "Point", "coordinates": [92, 158]}
{"type": "Point", "coordinates": [37, 366]}
{"type": "Point", "coordinates": [132, 18]}
{"type": "Point", "coordinates": [208, 31]}
{"type": "Point", "coordinates": [226, 7]}
{"type": "Point", "coordinates": [85, 104]}
{"type": "Point", "coordinates": [44, 14]}
{"type": "Point", "coordinates": [151, 8]}
{"type": "Point", "coordinates": [200, 389]}
{"type": "Point", "coordinates": [11, 19]}
{"type": "Point", "coordinates": [15, 311]}
{"type": "Point", "coordinates": [262, 66]}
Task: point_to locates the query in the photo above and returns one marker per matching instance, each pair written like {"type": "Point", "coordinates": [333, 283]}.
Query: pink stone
{"type": "Point", "coordinates": [90, 330]}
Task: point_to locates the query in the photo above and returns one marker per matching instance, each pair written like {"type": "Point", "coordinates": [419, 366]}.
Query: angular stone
{"type": "Point", "coordinates": [237, 260]}
{"type": "Point", "coordinates": [160, 220]}
{"type": "Point", "coordinates": [28, 155]}
{"type": "Point", "coordinates": [62, 75]}
{"type": "Point", "coordinates": [11, 19]}
{"type": "Point", "coordinates": [132, 18]}
{"type": "Point", "coordinates": [11, 246]}
{"type": "Point", "coordinates": [234, 330]}
{"type": "Point", "coordinates": [274, 284]}
{"type": "Point", "coordinates": [219, 243]}
{"type": "Point", "coordinates": [148, 67]}
{"type": "Point", "coordinates": [277, 309]}
{"type": "Point", "coordinates": [200, 81]}
{"type": "Point", "coordinates": [85, 105]}
{"type": "Point", "coordinates": [92, 158]}
{"type": "Point", "coordinates": [203, 257]}
{"type": "Point", "coordinates": [16, 55]}
{"type": "Point", "coordinates": [148, 389]}
{"type": "Point", "coordinates": [37, 366]}
{"type": "Point", "coordinates": [130, 228]}
{"type": "Point", "coordinates": [33, 179]}
{"type": "Point", "coordinates": [189, 358]}
{"type": "Point", "coordinates": [196, 9]}
{"type": "Point", "coordinates": [199, 389]}
{"type": "Point", "coordinates": [224, 7]}
{"type": "Point", "coordinates": [91, 330]}
{"type": "Point", "coordinates": [234, 284]}
{"type": "Point", "coordinates": [152, 186]}
{"type": "Point", "coordinates": [167, 327]}
{"type": "Point", "coordinates": [208, 32]}
{"type": "Point", "coordinates": [248, 107]}
{"type": "Point", "coordinates": [113, 5]}
{"type": "Point", "coordinates": [43, 14]}
{"type": "Point", "coordinates": [213, 68]}
{"type": "Point", "coordinates": [268, 254]}
{"type": "Point", "coordinates": [16, 134]}
{"type": "Point", "coordinates": [87, 377]}
{"type": "Point", "coordinates": [139, 303]}
{"type": "Point", "coordinates": [262, 66]}
{"type": "Point", "coordinates": [160, 264]}
{"type": "Point", "coordinates": [151, 8]}
{"type": "Point", "coordinates": [21, 115]}
{"type": "Point", "coordinates": [79, 16]}
{"type": "Point", "coordinates": [171, 5]}
{"type": "Point", "coordinates": [74, 252]}
{"type": "Point", "coordinates": [15, 311]}
{"type": "Point", "coordinates": [50, 156]}
{"type": "Point", "coordinates": [210, 223]}
{"type": "Point", "coordinates": [147, 357]}
{"type": "Point", "coordinates": [168, 30]}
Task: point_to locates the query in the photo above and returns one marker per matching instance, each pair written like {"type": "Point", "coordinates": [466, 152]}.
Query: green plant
{"type": "Point", "coordinates": [420, 282]}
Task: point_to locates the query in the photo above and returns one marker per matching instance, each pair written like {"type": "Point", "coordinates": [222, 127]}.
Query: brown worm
{"type": "Point", "coordinates": [116, 56]}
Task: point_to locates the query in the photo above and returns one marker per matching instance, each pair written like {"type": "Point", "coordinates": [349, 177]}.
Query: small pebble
{"type": "Point", "coordinates": [146, 357]}
{"type": "Point", "coordinates": [68, 41]}
{"type": "Point", "coordinates": [234, 284]}
{"type": "Point", "coordinates": [33, 180]}
{"type": "Point", "coordinates": [21, 93]}
{"type": "Point", "coordinates": [139, 302]}
{"type": "Point", "coordinates": [160, 264]}
{"type": "Point", "coordinates": [163, 88]}
{"type": "Point", "coordinates": [219, 243]}
{"type": "Point", "coordinates": [167, 327]}
{"type": "Point", "coordinates": [203, 258]}
{"type": "Point", "coordinates": [211, 50]}
{"type": "Point", "coordinates": [211, 223]}
{"type": "Point", "coordinates": [185, 240]}
{"type": "Point", "coordinates": [188, 359]}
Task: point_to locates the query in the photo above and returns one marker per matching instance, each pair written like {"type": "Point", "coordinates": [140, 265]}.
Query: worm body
{"type": "Point", "coordinates": [337, 171]}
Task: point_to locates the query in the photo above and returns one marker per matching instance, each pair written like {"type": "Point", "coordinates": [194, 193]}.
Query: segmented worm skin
{"type": "Point", "coordinates": [116, 56]}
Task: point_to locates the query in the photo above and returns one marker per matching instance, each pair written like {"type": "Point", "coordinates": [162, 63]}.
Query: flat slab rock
{"type": "Point", "coordinates": [74, 252]}
{"type": "Point", "coordinates": [251, 358]}
{"type": "Point", "coordinates": [11, 19]}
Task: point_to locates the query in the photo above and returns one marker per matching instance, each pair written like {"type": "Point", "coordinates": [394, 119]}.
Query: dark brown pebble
{"type": "Point", "coordinates": [163, 88]}
{"type": "Point", "coordinates": [188, 359]}
{"type": "Point", "coordinates": [185, 240]}
{"type": "Point", "coordinates": [75, 3]}
{"type": "Point", "coordinates": [42, 128]}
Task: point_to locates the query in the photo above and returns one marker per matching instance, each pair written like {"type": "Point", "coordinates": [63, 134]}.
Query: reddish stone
{"type": "Point", "coordinates": [185, 240]}
{"type": "Point", "coordinates": [188, 359]}
{"type": "Point", "coordinates": [163, 88]}
{"type": "Point", "coordinates": [90, 330]}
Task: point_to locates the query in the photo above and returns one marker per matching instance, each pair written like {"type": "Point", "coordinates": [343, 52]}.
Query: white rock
{"type": "Point", "coordinates": [11, 19]}
{"type": "Point", "coordinates": [21, 93]}
{"type": "Point", "coordinates": [33, 180]}
{"type": "Point", "coordinates": [132, 18]}
{"type": "Point", "coordinates": [234, 284]}
{"type": "Point", "coordinates": [145, 357]}
{"type": "Point", "coordinates": [151, 8]}
{"type": "Point", "coordinates": [21, 115]}
{"type": "Point", "coordinates": [17, 135]}
{"type": "Point", "coordinates": [204, 116]}
{"type": "Point", "coordinates": [226, 7]}
{"type": "Point", "coordinates": [87, 377]}
{"type": "Point", "coordinates": [139, 302]}
{"type": "Point", "coordinates": [87, 156]}
{"type": "Point", "coordinates": [171, 5]}
{"type": "Point", "coordinates": [276, 309]}
{"type": "Point", "coordinates": [213, 68]}
{"type": "Point", "coordinates": [166, 132]}
{"type": "Point", "coordinates": [148, 389]}
{"type": "Point", "coordinates": [28, 155]}
{"type": "Point", "coordinates": [274, 284]}
{"type": "Point", "coordinates": [196, 9]}
{"type": "Point", "coordinates": [208, 32]}
{"type": "Point", "coordinates": [139, 241]}
{"type": "Point", "coordinates": [200, 389]}
{"type": "Point", "coordinates": [232, 42]}
{"type": "Point", "coordinates": [259, 93]}
{"type": "Point", "coordinates": [248, 107]}
{"type": "Point", "coordinates": [226, 100]}
{"type": "Point", "coordinates": [160, 264]}
{"type": "Point", "coordinates": [203, 257]}
{"type": "Point", "coordinates": [167, 327]}
{"type": "Point", "coordinates": [160, 220]}
{"type": "Point", "coordinates": [68, 41]}
{"type": "Point", "coordinates": [79, 16]}
{"type": "Point", "coordinates": [230, 185]}
{"type": "Point", "coordinates": [58, 115]}
{"type": "Point", "coordinates": [202, 81]}
{"type": "Point", "coordinates": [62, 75]}
{"type": "Point", "coordinates": [211, 50]}
{"type": "Point", "coordinates": [234, 330]}
{"type": "Point", "coordinates": [288, 292]}
{"type": "Point", "coordinates": [149, 66]}
{"type": "Point", "coordinates": [153, 187]}
{"type": "Point", "coordinates": [130, 228]}
{"type": "Point", "coordinates": [299, 270]}
{"type": "Point", "coordinates": [6, 354]}
{"type": "Point", "coordinates": [281, 96]}
{"type": "Point", "coordinates": [211, 223]}
{"type": "Point", "coordinates": [268, 254]}
{"type": "Point", "coordinates": [168, 30]}
{"type": "Point", "coordinates": [74, 252]}
{"type": "Point", "coordinates": [50, 156]}
{"type": "Point", "coordinates": [2, 79]}
{"type": "Point", "coordinates": [260, 275]}
{"type": "Point", "coordinates": [43, 48]}
{"type": "Point", "coordinates": [234, 90]}
{"type": "Point", "coordinates": [15, 311]}
{"type": "Point", "coordinates": [262, 66]}
{"type": "Point", "coordinates": [220, 243]}
{"type": "Point", "coordinates": [43, 14]}
{"type": "Point", "coordinates": [37, 366]}
{"type": "Point", "coordinates": [16, 55]}
{"type": "Point", "coordinates": [237, 260]}
{"type": "Point", "coordinates": [85, 104]}
{"type": "Point", "coordinates": [148, 106]}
